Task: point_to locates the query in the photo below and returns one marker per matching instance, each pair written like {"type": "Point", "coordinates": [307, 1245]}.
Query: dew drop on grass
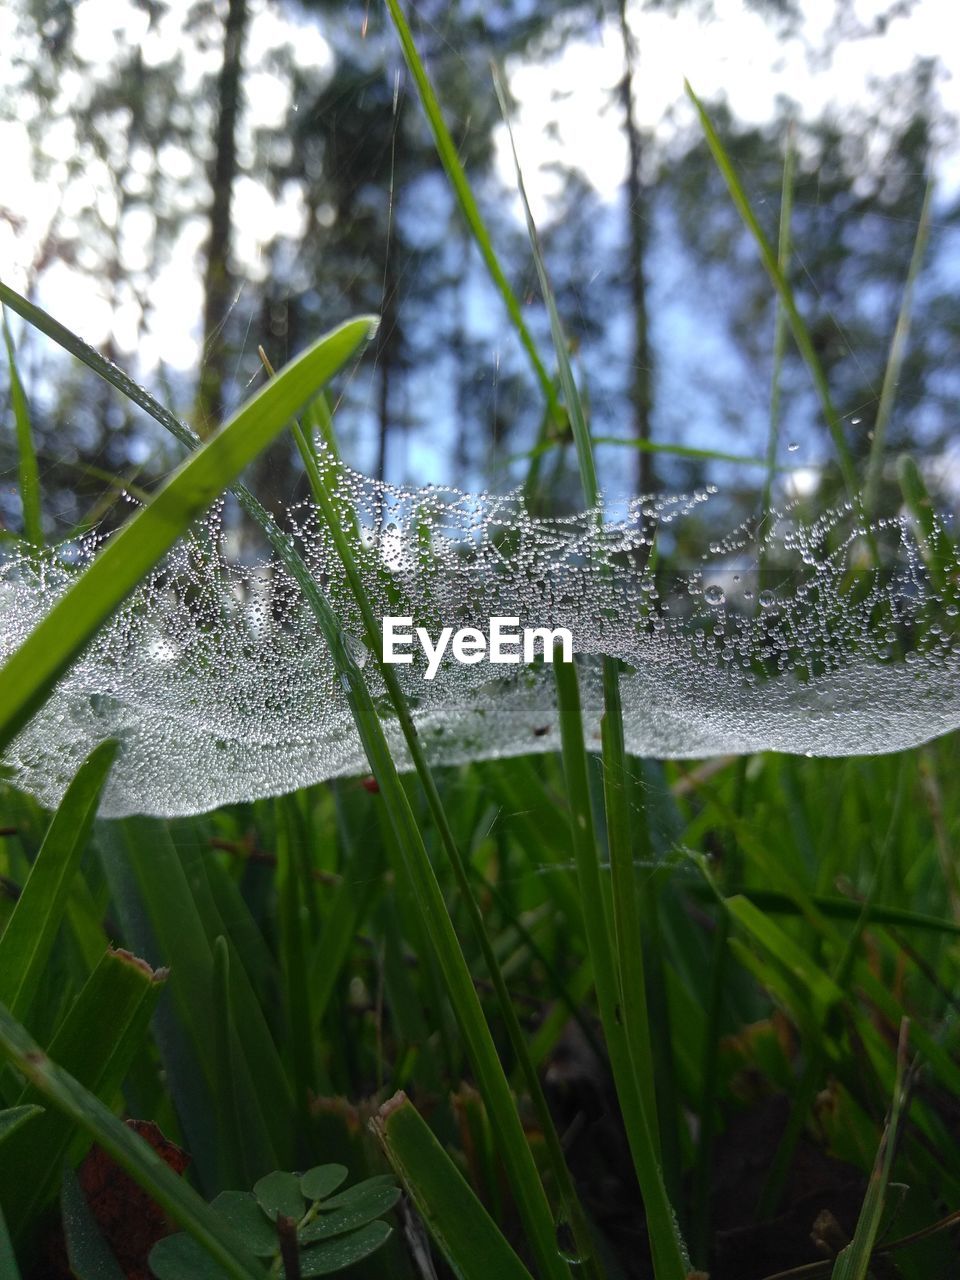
{"type": "Point", "coordinates": [215, 676]}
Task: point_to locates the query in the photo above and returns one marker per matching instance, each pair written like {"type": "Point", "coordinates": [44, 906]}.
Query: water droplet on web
{"type": "Point", "coordinates": [767, 598]}
{"type": "Point", "coordinates": [792, 447]}
{"type": "Point", "coordinates": [714, 595]}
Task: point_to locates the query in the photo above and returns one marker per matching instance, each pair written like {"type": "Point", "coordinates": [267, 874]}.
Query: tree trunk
{"type": "Point", "coordinates": [637, 216]}
{"type": "Point", "coordinates": [216, 282]}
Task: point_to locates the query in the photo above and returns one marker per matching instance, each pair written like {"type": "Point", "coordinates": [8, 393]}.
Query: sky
{"type": "Point", "coordinates": [566, 111]}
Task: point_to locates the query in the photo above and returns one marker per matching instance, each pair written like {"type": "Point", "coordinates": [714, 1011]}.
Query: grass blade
{"type": "Point", "coordinates": [669, 1254]}
{"type": "Point", "coordinates": [466, 1234]}
{"type": "Point", "coordinates": [447, 151]}
{"type": "Point", "coordinates": [29, 675]}
{"type": "Point", "coordinates": [891, 374]}
{"type": "Point", "coordinates": [27, 457]}
{"type": "Point", "coordinates": [801, 334]}
{"type": "Point", "coordinates": [780, 323]}
{"type": "Point", "coordinates": [28, 939]}
{"type": "Point", "coordinates": [854, 1262]}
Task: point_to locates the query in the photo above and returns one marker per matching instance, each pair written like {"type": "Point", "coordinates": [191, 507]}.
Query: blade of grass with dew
{"type": "Point", "coordinates": [175, 1196]}
{"type": "Point", "coordinates": [632, 1004]}
{"type": "Point", "coordinates": [328, 507]}
{"type": "Point", "coordinates": [891, 374]}
{"type": "Point", "coordinates": [780, 322]}
{"type": "Point", "coordinates": [466, 1234]}
{"type": "Point", "coordinates": [29, 674]}
{"type": "Point", "coordinates": [29, 473]}
{"type": "Point", "coordinates": [669, 1254]}
{"type": "Point", "coordinates": [28, 938]}
{"type": "Point", "coordinates": [798, 328]}
{"type": "Point", "coordinates": [854, 1262]}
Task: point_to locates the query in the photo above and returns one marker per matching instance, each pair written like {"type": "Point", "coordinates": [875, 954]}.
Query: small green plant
{"type": "Point", "coordinates": [299, 1225]}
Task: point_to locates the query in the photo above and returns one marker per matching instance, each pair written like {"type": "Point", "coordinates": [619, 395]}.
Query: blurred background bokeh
{"type": "Point", "coordinates": [180, 182]}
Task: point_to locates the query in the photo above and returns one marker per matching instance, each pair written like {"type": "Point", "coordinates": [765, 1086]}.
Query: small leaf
{"type": "Point", "coordinates": [241, 1210]}
{"type": "Point", "coordinates": [278, 1193]}
{"type": "Point", "coordinates": [350, 1197]}
{"type": "Point", "coordinates": [363, 1209]}
{"type": "Point", "coordinates": [318, 1183]}
{"type": "Point", "coordinates": [179, 1257]}
{"type": "Point", "coordinates": [324, 1259]}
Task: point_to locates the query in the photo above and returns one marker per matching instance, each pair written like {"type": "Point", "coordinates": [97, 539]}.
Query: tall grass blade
{"type": "Point", "coordinates": [630, 1008]}
{"type": "Point", "coordinates": [798, 328]}
{"type": "Point", "coordinates": [27, 456]}
{"type": "Point", "coordinates": [669, 1254]}
{"type": "Point", "coordinates": [447, 151]}
{"type": "Point", "coordinates": [780, 322]}
{"type": "Point", "coordinates": [466, 1234]}
{"type": "Point", "coordinates": [28, 938]}
{"type": "Point", "coordinates": [854, 1262]}
{"type": "Point", "coordinates": [891, 374]}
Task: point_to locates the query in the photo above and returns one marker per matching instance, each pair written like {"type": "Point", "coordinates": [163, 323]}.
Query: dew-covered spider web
{"type": "Point", "coordinates": [823, 638]}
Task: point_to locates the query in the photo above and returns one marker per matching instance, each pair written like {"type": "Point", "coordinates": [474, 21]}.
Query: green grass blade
{"type": "Point", "coordinates": [97, 363]}
{"type": "Point", "coordinates": [891, 374]}
{"type": "Point", "coordinates": [669, 1254]}
{"type": "Point", "coordinates": [801, 334]}
{"type": "Point", "coordinates": [655, 446]}
{"type": "Point", "coordinates": [447, 151]}
{"type": "Point", "coordinates": [30, 673]}
{"type": "Point", "coordinates": [571, 395]}
{"type": "Point", "coordinates": [27, 457]}
{"type": "Point", "coordinates": [936, 545]}
{"type": "Point", "coordinates": [466, 1234]}
{"type": "Point", "coordinates": [854, 1262]}
{"type": "Point", "coordinates": [28, 939]}
{"type": "Point", "coordinates": [144, 1165]}
{"type": "Point", "coordinates": [780, 323]}
{"type": "Point", "coordinates": [624, 1008]}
